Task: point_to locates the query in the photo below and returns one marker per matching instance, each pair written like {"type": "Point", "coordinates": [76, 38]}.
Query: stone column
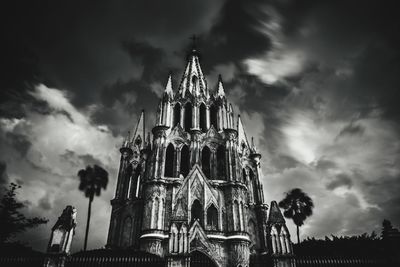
{"type": "Point", "coordinates": [195, 147]}
{"type": "Point", "coordinates": [158, 150]}
{"type": "Point", "coordinates": [208, 117]}
{"type": "Point", "coordinates": [230, 143]}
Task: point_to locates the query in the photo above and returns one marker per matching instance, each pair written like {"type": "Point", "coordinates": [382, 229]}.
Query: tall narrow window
{"type": "Point", "coordinates": [206, 161]}
{"type": "Point", "coordinates": [188, 116]}
{"type": "Point", "coordinates": [185, 160]}
{"type": "Point", "coordinates": [253, 185]}
{"type": "Point", "coordinates": [156, 206]}
{"type": "Point", "coordinates": [244, 176]}
{"type": "Point", "coordinates": [197, 212]}
{"type": "Point", "coordinates": [137, 192]}
{"type": "Point", "coordinates": [221, 162]}
{"type": "Point", "coordinates": [248, 179]}
{"type": "Point", "coordinates": [177, 114]}
{"type": "Point", "coordinates": [135, 183]}
{"type": "Point", "coordinates": [212, 217]}
{"type": "Point", "coordinates": [236, 216]}
{"type": "Point", "coordinates": [214, 116]}
{"type": "Point", "coordinates": [203, 117]}
{"type": "Point", "coordinates": [169, 161]}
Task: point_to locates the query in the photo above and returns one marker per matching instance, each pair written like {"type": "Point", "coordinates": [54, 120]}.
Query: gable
{"type": "Point", "coordinates": [194, 186]}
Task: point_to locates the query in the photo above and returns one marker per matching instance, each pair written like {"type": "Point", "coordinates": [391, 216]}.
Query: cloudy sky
{"type": "Point", "coordinates": [316, 82]}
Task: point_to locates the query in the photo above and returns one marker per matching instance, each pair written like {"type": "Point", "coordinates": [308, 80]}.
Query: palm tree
{"type": "Point", "coordinates": [93, 179]}
{"type": "Point", "coordinates": [297, 206]}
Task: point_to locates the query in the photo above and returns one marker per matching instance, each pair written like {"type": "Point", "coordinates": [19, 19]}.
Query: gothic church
{"type": "Point", "coordinates": [193, 192]}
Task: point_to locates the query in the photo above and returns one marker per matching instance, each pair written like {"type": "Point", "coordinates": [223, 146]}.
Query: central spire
{"type": "Point", "coordinates": [193, 81]}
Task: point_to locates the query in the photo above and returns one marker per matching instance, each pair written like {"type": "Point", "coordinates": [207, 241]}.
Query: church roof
{"type": "Point", "coordinates": [67, 220]}
{"type": "Point", "coordinates": [275, 214]}
{"type": "Point", "coordinates": [193, 80]}
{"type": "Point", "coordinates": [242, 138]}
{"type": "Point", "coordinates": [138, 137]}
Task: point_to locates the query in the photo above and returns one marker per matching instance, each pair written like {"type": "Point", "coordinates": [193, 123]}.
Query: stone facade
{"type": "Point", "coordinates": [196, 185]}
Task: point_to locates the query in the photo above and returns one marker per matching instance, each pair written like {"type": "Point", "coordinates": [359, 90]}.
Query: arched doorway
{"type": "Point", "coordinates": [199, 259]}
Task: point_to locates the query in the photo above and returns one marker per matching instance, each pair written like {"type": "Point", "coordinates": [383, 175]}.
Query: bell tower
{"type": "Point", "coordinates": [127, 205]}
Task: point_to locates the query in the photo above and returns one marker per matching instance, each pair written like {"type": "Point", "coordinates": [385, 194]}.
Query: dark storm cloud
{"type": "Point", "coordinates": [45, 203]}
{"type": "Point", "coordinates": [236, 25]}
{"type": "Point", "coordinates": [20, 73]}
{"type": "Point", "coordinates": [340, 180]}
{"type": "Point", "coordinates": [283, 162]}
{"type": "Point", "coordinates": [325, 164]}
{"type": "Point", "coordinates": [360, 49]}
{"type": "Point", "coordinates": [150, 57]}
{"type": "Point", "coordinates": [77, 160]}
{"type": "Point", "coordinates": [89, 35]}
{"type": "Point", "coordinates": [3, 173]}
{"type": "Point", "coordinates": [352, 129]}
{"type": "Point", "coordinates": [19, 142]}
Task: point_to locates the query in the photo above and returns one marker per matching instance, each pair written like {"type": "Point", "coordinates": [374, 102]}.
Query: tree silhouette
{"type": "Point", "coordinates": [386, 228]}
{"type": "Point", "coordinates": [92, 180]}
{"type": "Point", "coordinates": [12, 220]}
{"type": "Point", "coordinates": [297, 206]}
{"type": "Point", "coordinates": [365, 245]}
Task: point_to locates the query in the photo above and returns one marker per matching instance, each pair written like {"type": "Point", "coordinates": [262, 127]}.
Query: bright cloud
{"type": "Point", "coordinates": [59, 144]}
{"type": "Point", "coordinates": [277, 64]}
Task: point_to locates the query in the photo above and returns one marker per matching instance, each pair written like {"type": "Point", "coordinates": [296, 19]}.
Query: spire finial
{"type": "Point", "coordinates": [194, 42]}
{"type": "Point", "coordinates": [253, 148]}
{"type": "Point", "coordinates": [193, 51]}
{"type": "Point", "coordinates": [168, 87]}
{"type": "Point", "coordinates": [220, 87]}
{"type": "Point", "coordinates": [127, 140]}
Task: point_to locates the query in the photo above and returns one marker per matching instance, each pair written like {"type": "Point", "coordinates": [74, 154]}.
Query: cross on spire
{"type": "Point", "coordinates": [194, 39]}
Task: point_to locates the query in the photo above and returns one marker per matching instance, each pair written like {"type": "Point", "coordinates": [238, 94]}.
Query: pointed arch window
{"type": "Point", "coordinates": [188, 116]}
{"type": "Point", "coordinates": [197, 212]}
{"type": "Point", "coordinates": [214, 116]}
{"type": "Point", "coordinates": [185, 160]}
{"type": "Point", "coordinates": [177, 114]}
{"type": "Point", "coordinates": [206, 161]}
{"type": "Point", "coordinates": [221, 162]}
{"type": "Point", "coordinates": [169, 161]}
{"type": "Point", "coordinates": [203, 118]}
{"type": "Point", "coordinates": [212, 217]}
